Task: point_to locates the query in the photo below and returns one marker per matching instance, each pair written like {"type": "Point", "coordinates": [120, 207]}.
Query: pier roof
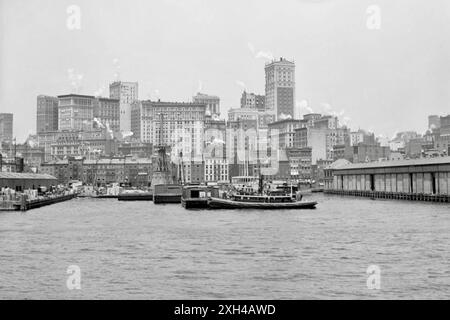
{"type": "Point", "coordinates": [29, 176]}
{"type": "Point", "coordinates": [396, 163]}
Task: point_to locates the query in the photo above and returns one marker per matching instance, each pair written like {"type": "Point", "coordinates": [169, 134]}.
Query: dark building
{"type": "Point", "coordinates": [6, 127]}
{"type": "Point", "coordinates": [46, 114]}
{"type": "Point", "coordinates": [445, 122]}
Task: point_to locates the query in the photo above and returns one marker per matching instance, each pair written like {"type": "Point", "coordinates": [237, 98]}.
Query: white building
{"type": "Point", "coordinates": [183, 125]}
{"type": "Point", "coordinates": [126, 93]}
{"type": "Point", "coordinates": [216, 170]}
{"type": "Point", "coordinates": [242, 114]}
{"type": "Point", "coordinates": [75, 112]}
{"type": "Point", "coordinates": [212, 103]}
{"type": "Point", "coordinates": [356, 137]}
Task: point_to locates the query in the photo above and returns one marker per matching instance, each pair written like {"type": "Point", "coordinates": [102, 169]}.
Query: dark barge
{"type": "Point", "coordinates": [167, 193]}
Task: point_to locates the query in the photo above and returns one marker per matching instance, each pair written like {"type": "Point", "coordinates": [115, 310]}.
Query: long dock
{"type": "Point", "coordinates": [426, 179]}
{"type": "Point", "coordinates": [392, 195]}
{"type": "Point", "coordinates": [33, 204]}
{"type": "Point", "coordinates": [23, 204]}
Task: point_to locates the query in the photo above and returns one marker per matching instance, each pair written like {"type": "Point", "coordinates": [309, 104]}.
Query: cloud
{"type": "Point", "coordinates": [241, 84]}
{"type": "Point", "coordinates": [99, 92]}
{"type": "Point", "coordinates": [218, 141]}
{"type": "Point", "coordinates": [304, 105]}
{"type": "Point", "coordinates": [75, 79]}
{"type": "Point", "coordinates": [156, 94]}
{"type": "Point", "coordinates": [285, 116]}
{"type": "Point", "coordinates": [251, 47]}
{"type": "Point", "coordinates": [116, 65]}
{"type": "Point", "coordinates": [126, 134]}
{"type": "Point", "coordinates": [260, 54]}
{"type": "Point", "coordinates": [108, 129]}
{"type": "Point", "coordinates": [32, 141]}
{"type": "Point", "coordinates": [329, 110]}
{"type": "Point", "coordinates": [99, 124]}
{"type": "Point", "coordinates": [264, 54]}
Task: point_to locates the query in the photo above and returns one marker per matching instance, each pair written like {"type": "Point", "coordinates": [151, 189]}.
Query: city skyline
{"type": "Point", "coordinates": [400, 77]}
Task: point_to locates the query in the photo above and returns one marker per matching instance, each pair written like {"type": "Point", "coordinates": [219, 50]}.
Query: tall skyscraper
{"type": "Point", "coordinates": [6, 127]}
{"type": "Point", "coordinates": [280, 88]}
{"type": "Point", "coordinates": [46, 114]}
{"type": "Point", "coordinates": [126, 93]}
{"type": "Point", "coordinates": [212, 103]}
{"type": "Point", "coordinates": [75, 112]}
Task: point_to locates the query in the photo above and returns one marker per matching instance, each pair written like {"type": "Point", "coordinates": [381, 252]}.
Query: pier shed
{"type": "Point", "coordinates": [408, 178]}
{"type": "Point", "coordinates": [22, 181]}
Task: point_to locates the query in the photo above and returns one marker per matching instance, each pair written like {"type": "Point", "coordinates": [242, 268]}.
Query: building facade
{"type": "Point", "coordinates": [107, 114]}
{"type": "Point", "coordinates": [280, 88]}
{"type": "Point", "coordinates": [126, 93]}
{"type": "Point", "coordinates": [212, 103]}
{"type": "Point", "coordinates": [282, 132]}
{"type": "Point", "coordinates": [75, 112]}
{"type": "Point", "coordinates": [253, 101]}
{"type": "Point", "coordinates": [179, 125]}
{"type": "Point", "coordinates": [89, 144]}
{"type": "Point", "coordinates": [6, 127]}
{"type": "Point", "coordinates": [46, 114]}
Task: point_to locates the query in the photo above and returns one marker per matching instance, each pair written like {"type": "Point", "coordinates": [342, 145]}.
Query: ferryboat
{"type": "Point", "coordinates": [243, 201]}
{"type": "Point", "coordinates": [195, 197]}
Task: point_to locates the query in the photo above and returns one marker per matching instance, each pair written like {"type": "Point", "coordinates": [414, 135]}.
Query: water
{"type": "Point", "coordinates": [136, 250]}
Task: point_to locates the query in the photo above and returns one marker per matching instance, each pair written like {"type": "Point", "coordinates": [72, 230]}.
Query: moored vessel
{"type": "Point", "coordinates": [195, 197]}
{"type": "Point", "coordinates": [135, 195]}
{"type": "Point", "coordinates": [167, 193]}
{"type": "Point", "coordinates": [260, 202]}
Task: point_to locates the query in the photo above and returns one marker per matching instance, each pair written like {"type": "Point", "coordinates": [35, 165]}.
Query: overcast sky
{"type": "Point", "coordinates": [383, 79]}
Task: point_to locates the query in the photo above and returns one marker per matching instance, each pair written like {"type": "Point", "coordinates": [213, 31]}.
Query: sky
{"type": "Point", "coordinates": [380, 65]}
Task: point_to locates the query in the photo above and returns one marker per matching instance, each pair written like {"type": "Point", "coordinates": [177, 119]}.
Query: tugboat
{"type": "Point", "coordinates": [260, 202]}
{"type": "Point", "coordinates": [270, 200]}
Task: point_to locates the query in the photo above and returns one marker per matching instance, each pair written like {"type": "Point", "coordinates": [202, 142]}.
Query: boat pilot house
{"type": "Point", "coordinates": [425, 179]}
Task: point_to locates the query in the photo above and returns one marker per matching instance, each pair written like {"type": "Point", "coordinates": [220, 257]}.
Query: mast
{"type": "Point", "coordinates": [161, 123]}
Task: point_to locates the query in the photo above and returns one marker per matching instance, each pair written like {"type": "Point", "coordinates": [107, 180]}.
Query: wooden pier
{"type": "Point", "coordinates": [425, 179]}
{"type": "Point", "coordinates": [23, 204]}
{"type": "Point", "coordinates": [392, 195]}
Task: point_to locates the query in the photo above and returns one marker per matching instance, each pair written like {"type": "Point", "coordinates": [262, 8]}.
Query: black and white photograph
{"type": "Point", "coordinates": [206, 150]}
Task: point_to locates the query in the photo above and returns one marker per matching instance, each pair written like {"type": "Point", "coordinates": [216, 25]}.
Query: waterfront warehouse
{"type": "Point", "coordinates": [417, 179]}
{"type": "Point", "coordinates": [22, 181]}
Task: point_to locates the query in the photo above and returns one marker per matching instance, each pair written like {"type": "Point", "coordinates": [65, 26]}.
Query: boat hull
{"type": "Point", "coordinates": [166, 198]}
{"type": "Point", "coordinates": [194, 203]}
{"type": "Point", "coordinates": [216, 203]}
{"type": "Point", "coordinates": [107, 196]}
{"type": "Point", "coordinates": [136, 197]}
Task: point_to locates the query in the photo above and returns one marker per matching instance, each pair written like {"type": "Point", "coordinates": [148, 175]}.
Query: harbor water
{"type": "Point", "coordinates": [138, 250]}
